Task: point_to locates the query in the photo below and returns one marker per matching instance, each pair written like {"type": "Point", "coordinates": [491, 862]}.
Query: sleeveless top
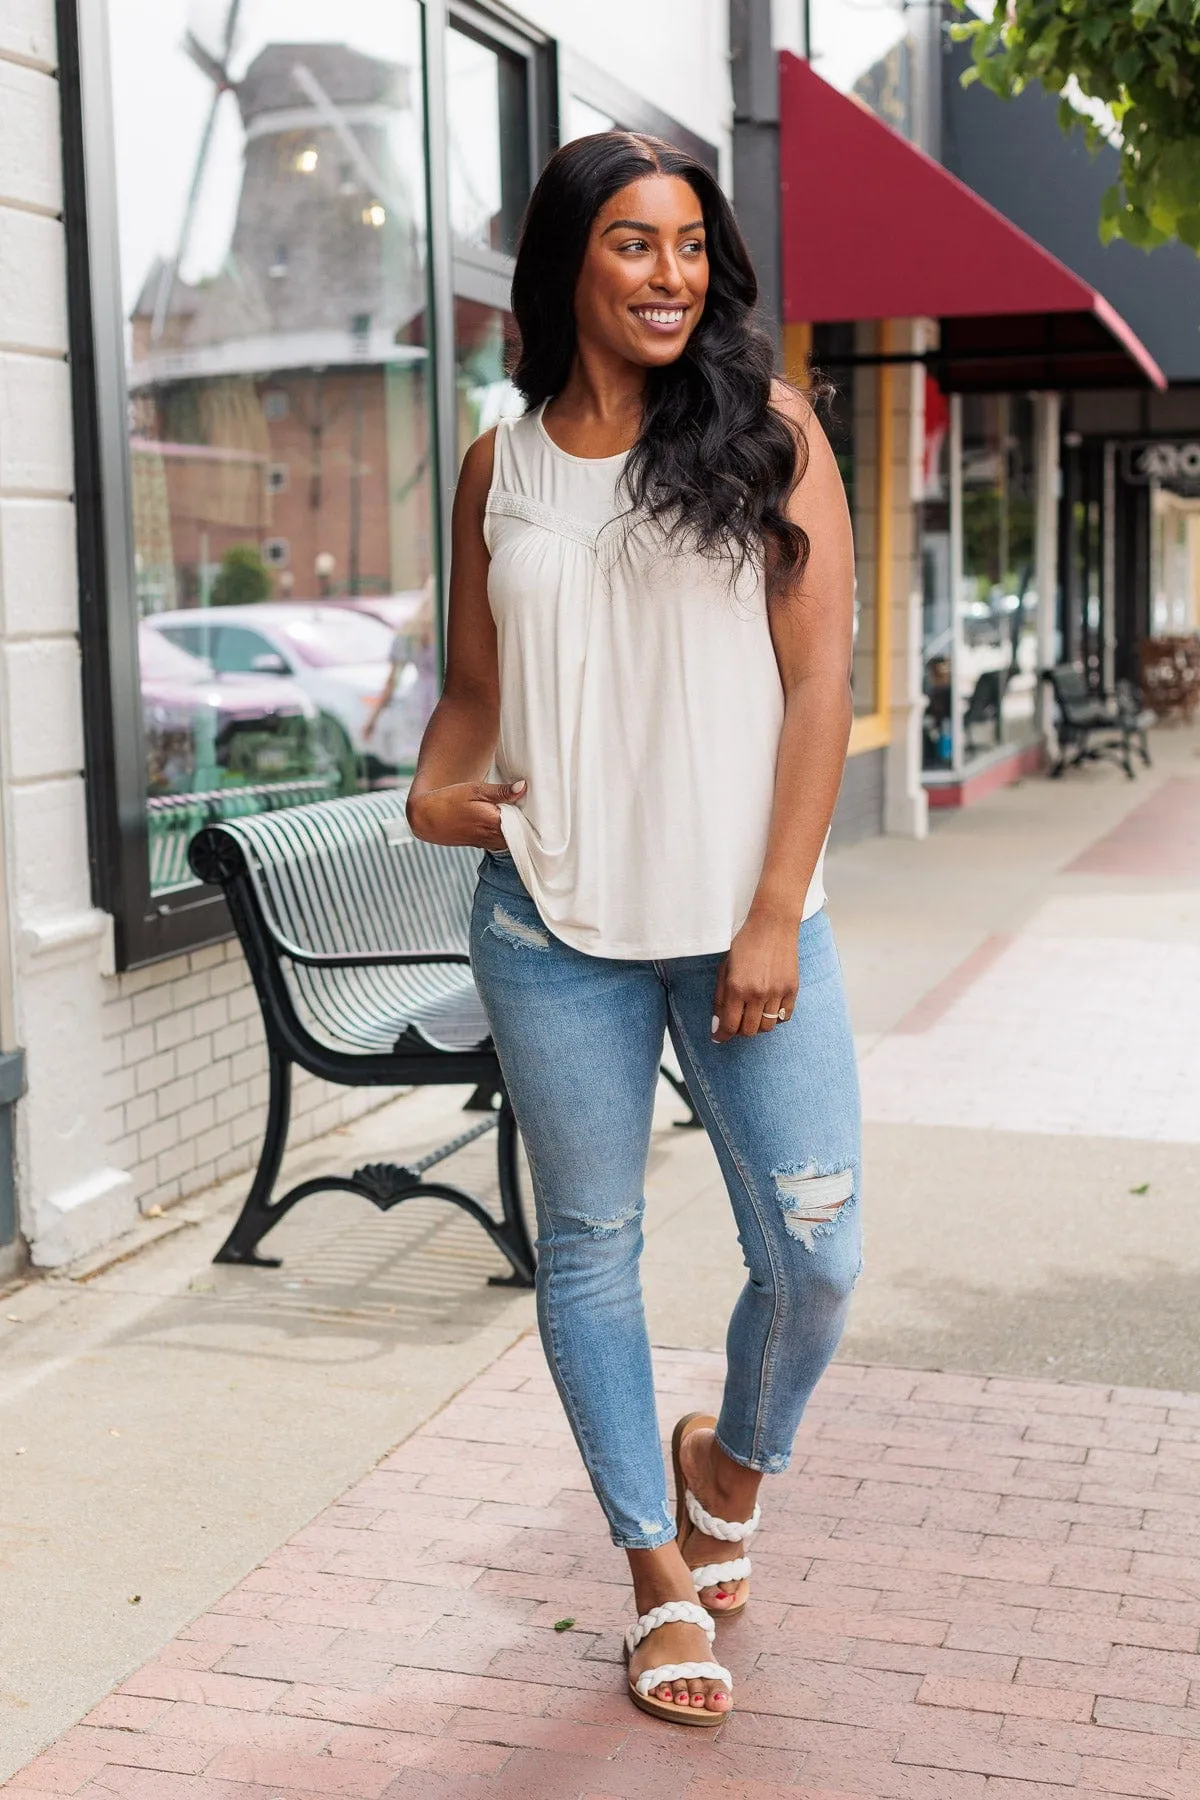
{"type": "Point", "coordinates": [640, 699]}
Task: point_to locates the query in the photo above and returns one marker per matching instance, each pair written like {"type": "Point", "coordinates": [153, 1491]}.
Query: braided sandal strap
{"type": "Point", "coordinates": [712, 1574]}
{"type": "Point", "coordinates": [706, 1671]}
{"type": "Point", "coordinates": [727, 1531]}
{"type": "Point", "coordinates": [671, 1612]}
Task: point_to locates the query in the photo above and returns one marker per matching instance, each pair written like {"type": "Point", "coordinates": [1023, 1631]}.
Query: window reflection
{"type": "Point", "coordinates": [487, 101]}
{"type": "Point", "coordinates": [270, 189]}
{"type": "Point", "coordinates": [981, 691]}
{"type": "Point", "coordinates": [488, 124]}
{"type": "Point", "coordinates": [582, 119]}
{"type": "Point", "coordinates": [998, 602]}
{"type": "Point", "coordinates": [868, 51]}
{"type": "Point", "coordinates": [485, 341]}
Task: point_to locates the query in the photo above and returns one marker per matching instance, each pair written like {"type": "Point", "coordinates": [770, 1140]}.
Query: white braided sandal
{"type": "Point", "coordinates": [676, 1612]}
{"type": "Point", "coordinates": [690, 1515]}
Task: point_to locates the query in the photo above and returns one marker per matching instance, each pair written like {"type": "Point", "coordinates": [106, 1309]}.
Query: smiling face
{"type": "Point", "coordinates": [644, 275]}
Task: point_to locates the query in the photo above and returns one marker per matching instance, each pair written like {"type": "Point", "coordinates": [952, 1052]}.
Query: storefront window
{"type": "Point", "coordinates": [489, 110]}
{"type": "Point", "coordinates": [263, 438]}
{"type": "Point", "coordinates": [582, 119]}
{"type": "Point", "coordinates": [998, 670]}
{"type": "Point", "coordinates": [270, 175]}
{"type": "Point", "coordinates": [485, 343]}
{"type": "Point", "coordinates": [870, 52]}
{"type": "Point", "coordinates": [487, 118]}
{"type": "Point", "coordinates": [980, 649]}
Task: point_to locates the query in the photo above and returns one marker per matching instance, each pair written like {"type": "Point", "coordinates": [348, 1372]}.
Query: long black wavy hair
{"type": "Point", "coordinates": [714, 461]}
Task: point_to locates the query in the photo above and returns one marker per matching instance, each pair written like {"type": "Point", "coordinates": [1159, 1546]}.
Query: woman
{"type": "Point", "coordinates": [643, 726]}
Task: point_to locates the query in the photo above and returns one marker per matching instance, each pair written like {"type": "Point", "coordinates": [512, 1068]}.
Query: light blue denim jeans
{"type": "Point", "coordinates": [579, 1040]}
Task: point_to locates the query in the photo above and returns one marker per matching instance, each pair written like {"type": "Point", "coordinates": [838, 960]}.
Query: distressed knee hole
{"type": "Point", "coordinates": [515, 931]}
{"type": "Point", "coordinates": [607, 1228]}
{"type": "Point", "coordinates": [812, 1201]}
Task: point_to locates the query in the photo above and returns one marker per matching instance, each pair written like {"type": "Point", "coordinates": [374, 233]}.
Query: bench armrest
{"type": "Point", "coordinates": [359, 959]}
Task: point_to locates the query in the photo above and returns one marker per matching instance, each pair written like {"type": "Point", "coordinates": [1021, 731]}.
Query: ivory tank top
{"type": "Point", "coordinates": [640, 699]}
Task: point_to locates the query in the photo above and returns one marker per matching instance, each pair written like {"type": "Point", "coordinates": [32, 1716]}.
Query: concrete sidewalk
{"type": "Point", "coordinates": [164, 1425]}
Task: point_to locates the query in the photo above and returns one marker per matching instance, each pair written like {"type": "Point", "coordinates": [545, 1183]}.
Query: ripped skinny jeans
{"type": "Point", "coordinates": [580, 1040]}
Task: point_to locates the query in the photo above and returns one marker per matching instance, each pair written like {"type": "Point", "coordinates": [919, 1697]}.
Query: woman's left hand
{"type": "Point", "coordinates": [758, 980]}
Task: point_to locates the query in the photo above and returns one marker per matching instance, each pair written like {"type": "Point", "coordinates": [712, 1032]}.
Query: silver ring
{"type": "Point", "coordinates": [778, 1015]}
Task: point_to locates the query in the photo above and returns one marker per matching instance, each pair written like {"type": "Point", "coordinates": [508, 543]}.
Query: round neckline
{"type": "Point", "coordinates": [617, 456]}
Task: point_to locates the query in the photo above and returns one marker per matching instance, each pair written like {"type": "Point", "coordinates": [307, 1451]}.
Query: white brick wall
{"type": "Point", "coordinates": [185, 1076]}
{"type": "Point", "coordinates": [142, 1087]}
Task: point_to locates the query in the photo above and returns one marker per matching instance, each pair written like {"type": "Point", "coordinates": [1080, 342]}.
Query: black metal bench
{"type": "Point", "coordinates": [1092, 726]}
{"type": "Point", "coordinates": [356, 939]}
{"type": "Point", "coordinates": [356, 935]}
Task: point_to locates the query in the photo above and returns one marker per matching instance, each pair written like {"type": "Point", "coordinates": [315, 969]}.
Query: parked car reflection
{"type": "Point", "coordinates": [339, 657]}
{"type": "Point", "coordinates": [206, 730]}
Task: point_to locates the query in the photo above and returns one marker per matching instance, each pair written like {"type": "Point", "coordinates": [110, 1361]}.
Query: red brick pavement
{"type": "Point", "coordinates": [1161, 837]}
{"type": "Point", "coordinates": [965, 1589]}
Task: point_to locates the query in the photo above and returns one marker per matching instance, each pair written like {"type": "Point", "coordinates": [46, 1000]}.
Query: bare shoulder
{"type": "Point", "coordinates": [792, 402]}
{"type": "Point", "coordinates": [477, 464]}
{"type": "Point", "coordinates": [794, 405]}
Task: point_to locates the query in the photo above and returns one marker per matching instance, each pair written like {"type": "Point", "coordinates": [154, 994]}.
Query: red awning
{"type": "Point", "coordinates": [875, 229]}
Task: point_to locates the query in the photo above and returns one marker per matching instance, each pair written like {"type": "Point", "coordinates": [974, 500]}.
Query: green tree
{"type": "Point", "coordinates": [1138, 58]}
{"type": "Point", "coordinates": [242, 578]}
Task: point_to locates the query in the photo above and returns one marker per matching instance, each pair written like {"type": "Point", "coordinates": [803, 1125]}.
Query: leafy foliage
{"type": "Point", "coordinates": [242, 578]}
{"type": "Point", "coordinates": [1141, 59]}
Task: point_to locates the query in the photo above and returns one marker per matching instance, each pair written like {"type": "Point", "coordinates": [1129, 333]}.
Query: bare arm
{"type": "Point", "coordinates": [812, 628]}
{"type": "Point", "coordinates": [449, 801]}
{"type": "Point", "coordinates": [383, 702]}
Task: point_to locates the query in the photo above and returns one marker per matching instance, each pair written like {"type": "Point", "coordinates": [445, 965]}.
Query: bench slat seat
{"type": "Point", "coordinates": [357, 886]}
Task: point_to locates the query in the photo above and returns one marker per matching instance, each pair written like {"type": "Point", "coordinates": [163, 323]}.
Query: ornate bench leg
{"type": "Point", "coordinates": [258, 1215]}
{"type": "Point", "coordinates": [514, 1232]}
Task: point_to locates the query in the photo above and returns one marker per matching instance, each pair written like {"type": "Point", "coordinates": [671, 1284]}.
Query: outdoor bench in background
{"type": "Point", "coordinates": [356, 936]}
{"type": "Point", "coordinates": [1092, 725]}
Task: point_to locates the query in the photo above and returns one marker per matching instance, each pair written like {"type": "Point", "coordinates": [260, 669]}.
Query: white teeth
{"type": "Point", "coordinates": [661, 315]}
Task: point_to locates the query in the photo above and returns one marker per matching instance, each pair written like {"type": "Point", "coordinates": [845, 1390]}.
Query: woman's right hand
{"type": "Point", "coordinates": [466, 812]}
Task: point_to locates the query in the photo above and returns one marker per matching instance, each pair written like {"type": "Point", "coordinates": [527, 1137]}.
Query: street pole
{"type": "Point", "coordinates": [1049, 483]}
{"type": "Point", "coordinates": [756, 189]}
{"type": "Point", "coordinates": [1108, 575]}
{"type": "Point", "coordinates": [956, 580]}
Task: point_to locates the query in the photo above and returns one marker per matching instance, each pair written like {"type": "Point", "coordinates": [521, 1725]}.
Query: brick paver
{"type": "Point", "coordinates": [965, 1589]}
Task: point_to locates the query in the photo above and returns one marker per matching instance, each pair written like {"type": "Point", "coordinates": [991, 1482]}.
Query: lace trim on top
{"type": "Point", "coordinates": [605, 540]}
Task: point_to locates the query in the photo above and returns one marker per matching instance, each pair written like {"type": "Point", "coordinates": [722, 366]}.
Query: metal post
{"type": "Point", "coordinates": [1108, 573]}
{"type": "Point", "coordinates": [442, 389]}
{"type": "Point", "coordinates": [956, 579]}
{"type": "Point", "coordinates": [1048, 413]}
{"type": "Point", "coordinates": [756, 188]}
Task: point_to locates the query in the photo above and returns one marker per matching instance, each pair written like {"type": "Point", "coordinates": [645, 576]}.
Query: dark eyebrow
{"type": "Point", "coordinates": [650, 230]}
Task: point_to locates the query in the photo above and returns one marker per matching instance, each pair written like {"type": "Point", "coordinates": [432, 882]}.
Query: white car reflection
{"type": "Point", "coordinates": [205, 730]}
{"type": "Point", "coordinates": [339, 657]}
